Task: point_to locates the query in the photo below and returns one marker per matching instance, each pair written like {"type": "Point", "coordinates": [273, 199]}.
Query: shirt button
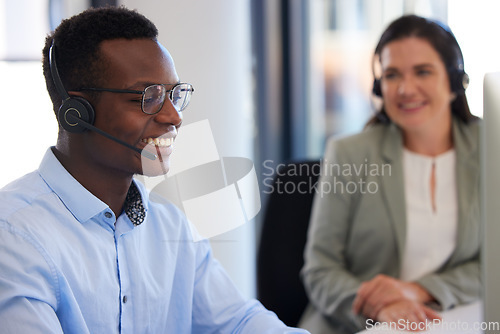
{"type": "Point", "coordinates": [108, 214]}
{"type": "Point", "coordinates": [124, 299]}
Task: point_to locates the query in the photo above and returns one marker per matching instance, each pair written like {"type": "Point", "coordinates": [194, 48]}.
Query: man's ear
{"type": "Point", "coordinates": [81, 94]}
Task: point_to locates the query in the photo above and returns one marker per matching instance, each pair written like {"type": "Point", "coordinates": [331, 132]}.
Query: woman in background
{"type": "Point", "coordinates": [397, 237]}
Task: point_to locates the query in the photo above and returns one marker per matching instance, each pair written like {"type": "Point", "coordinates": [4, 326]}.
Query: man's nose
{"type": "Point", "coordinates": [168, 114]}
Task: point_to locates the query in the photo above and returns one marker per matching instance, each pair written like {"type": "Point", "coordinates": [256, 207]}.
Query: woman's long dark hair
{"type": "Point", "coordinates": [443, 41]}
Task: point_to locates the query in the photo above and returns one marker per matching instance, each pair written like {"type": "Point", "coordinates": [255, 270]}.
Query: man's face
{"type": "Point", "coordinates": [133, 65]}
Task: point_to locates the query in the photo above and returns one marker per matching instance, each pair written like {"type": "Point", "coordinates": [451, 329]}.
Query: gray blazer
{"type": "Point", "coordinates": [358, 226]}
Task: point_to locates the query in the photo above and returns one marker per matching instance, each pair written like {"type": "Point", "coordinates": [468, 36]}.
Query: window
{"type": "Point", "coordinates": [27, 124]}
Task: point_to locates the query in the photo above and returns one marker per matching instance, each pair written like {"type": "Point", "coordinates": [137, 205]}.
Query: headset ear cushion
{"type": "Point", "coordinates": [79, 107]}
{"type": "Point", "coordinates": [459, 81]}
{"type": "Point", "coordinates": [377, 90]}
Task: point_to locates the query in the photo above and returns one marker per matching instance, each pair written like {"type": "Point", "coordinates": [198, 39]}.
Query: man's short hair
{"type": "Point", "coordinates": [77, 42]}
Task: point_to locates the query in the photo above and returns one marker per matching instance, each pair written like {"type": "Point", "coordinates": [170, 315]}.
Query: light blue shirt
{"type": "Point", "coordinates": [67, 264]}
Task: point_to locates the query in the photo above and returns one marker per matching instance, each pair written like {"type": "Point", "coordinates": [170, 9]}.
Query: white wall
{"type": "Point", "coordinates": [210, 42]}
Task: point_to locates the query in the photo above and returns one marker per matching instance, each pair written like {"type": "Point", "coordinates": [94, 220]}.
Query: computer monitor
{"type": "Point", "coordinates": [490, 201]}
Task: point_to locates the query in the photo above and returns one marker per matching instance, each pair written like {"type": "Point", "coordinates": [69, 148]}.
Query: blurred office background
{"type": "Point", "coordinates": [274, 78]}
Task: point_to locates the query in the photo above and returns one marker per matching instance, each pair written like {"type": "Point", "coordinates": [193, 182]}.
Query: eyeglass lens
{"type": "Point", "coordinates": [154, 97]}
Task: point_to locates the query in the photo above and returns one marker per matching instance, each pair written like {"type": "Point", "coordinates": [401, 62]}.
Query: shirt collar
{"type": "Point", "coordinates": [79, 201]}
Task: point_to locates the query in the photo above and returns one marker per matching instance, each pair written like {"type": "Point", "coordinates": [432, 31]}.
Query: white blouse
{"type": "Point", "coordinates": [430, 232]}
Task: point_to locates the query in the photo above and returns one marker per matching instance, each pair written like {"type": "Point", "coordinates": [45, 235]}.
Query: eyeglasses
{"type": "Point", "coordinates": [153, 97]}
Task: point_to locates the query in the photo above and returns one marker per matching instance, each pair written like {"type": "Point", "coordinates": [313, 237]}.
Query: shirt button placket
{"type": "Point", "coordinates": [124, 280]}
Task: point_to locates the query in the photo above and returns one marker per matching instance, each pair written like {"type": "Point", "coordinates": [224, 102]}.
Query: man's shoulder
{"type": "Point", "coordinates": [22, 194]}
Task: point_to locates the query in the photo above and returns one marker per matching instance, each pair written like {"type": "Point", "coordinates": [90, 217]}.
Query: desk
{"type": "Point", "coordinates": [461, 319]}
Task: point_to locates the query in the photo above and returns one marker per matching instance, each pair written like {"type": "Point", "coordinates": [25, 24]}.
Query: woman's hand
{"type": "Point", "coordinates": [408, 315]}
{"type": "Point", "coordinates": [382, 290]}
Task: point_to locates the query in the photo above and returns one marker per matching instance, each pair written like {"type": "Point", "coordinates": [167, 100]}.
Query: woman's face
{"type": "Point", "coordinates": [415, 86]}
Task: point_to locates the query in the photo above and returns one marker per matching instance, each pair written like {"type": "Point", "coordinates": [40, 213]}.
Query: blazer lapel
{"type": "Point", "coordinates": [392, 186]}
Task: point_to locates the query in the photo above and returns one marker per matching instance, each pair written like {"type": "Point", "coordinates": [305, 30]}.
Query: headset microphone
{"type": "Point", "coordinates": [76, 114]}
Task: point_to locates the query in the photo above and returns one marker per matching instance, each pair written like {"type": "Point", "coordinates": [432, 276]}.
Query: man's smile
{"type": "Point", "coordinates": [160, 142]}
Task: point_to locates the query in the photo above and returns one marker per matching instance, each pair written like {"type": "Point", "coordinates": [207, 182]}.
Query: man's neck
{"type": "Point", "coordinates": [111, 187]}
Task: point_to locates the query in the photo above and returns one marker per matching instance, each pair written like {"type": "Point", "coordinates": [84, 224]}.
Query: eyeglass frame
{"type": "Point", "coordinates": [142, 92]}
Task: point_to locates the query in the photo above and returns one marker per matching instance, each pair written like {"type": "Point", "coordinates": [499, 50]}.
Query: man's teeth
{"type": "Point", "coordinates": [161, 142]}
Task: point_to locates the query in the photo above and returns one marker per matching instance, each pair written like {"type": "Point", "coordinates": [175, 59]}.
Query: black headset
{"type": "Point", "coordinates": [459, 80]}
{"type": "Point", "coordinates": [75, 106]}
